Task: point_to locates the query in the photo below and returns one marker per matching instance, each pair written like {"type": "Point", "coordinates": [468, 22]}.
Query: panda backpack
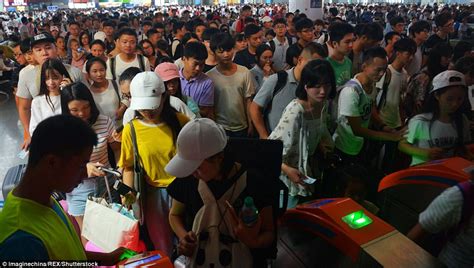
{"type": "Point", "coordinates": [217, 246]}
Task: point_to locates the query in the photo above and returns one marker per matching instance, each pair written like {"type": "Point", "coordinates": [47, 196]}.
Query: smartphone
{"type": "Point", "coordinates": [122, 188]}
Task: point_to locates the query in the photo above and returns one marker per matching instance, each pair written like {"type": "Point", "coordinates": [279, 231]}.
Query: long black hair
{"type": "Point", "coordinates": [431, 105]}
{"type": "Point", "coordinates": [49, 66]}
{"type": "Point", "coordinates": [78, 91]}
{"type": "Point", "coordinates": [168, 116]}
{"type": "Point", "coordinates": [80, 39]}
{"type": "Point", "coordinates": [433, 63]}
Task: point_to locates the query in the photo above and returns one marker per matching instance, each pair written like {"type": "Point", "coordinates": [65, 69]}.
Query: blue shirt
{"type": "Point", "coordinates": [199, 88]}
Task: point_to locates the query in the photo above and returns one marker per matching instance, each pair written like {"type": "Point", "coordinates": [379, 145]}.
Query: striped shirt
{"type": "Point", "coordinates": [443, 214]}
{"type": "Point", "coordinates": [103, 127]}
{"type": "Point", "coordinates": [200, 89]}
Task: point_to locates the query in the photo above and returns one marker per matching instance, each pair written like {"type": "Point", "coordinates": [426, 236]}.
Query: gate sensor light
{"type": "Point", "coordinates": [357, 219]}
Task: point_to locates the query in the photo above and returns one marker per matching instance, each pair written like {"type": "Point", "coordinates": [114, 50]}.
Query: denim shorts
{"type": "Point", "coordinates": [91, 187]}
{"type": "Point", "coordinates": [76, 200]}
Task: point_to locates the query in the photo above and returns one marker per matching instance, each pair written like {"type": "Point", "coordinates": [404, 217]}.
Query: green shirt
{"type": "Point", "coordinates": [342, 71]}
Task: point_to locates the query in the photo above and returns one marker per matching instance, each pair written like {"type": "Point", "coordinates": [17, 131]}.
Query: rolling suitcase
{"type": "Point", "coordinates": [12, 178]}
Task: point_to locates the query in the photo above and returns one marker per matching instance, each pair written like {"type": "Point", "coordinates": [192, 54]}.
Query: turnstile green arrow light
{"type": "Point", "coordinates": [357, 219]}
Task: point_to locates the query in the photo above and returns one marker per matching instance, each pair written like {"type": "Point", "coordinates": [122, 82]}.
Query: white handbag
{"type": "Point", "coordinates": [109, 229]}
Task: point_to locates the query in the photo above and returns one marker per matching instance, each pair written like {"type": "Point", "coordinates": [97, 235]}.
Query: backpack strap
{"type": "Point", "coordinates": [113, 65]}
{"type": "Point", "coordinates": [272, 45]}
{"type": "Point", "coordinates": [353, 84]}
{"type": "Point", "coordinates": [326, 37]}
{"type": "Point", "coordinates": [116, 88]}
{"type": "Point", "coordinates": [282, 77]}
{"type": "Point", "coordinates": [386, 83]}
{"type": "Point", "coordinates": [141, 61]}
{"type": "Point", "coordinates": [281, 82]}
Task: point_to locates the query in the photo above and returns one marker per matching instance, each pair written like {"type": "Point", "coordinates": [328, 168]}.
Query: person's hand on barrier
{"type": "Point", "coordinates": [187, 244]}
{"type": "Point", "coordinates": [94, 171]}
{"type": "Point", "coordinates": [107, 259]}
{"type": "Point", "coordinates": [246, 234]}
{"type": "Point", "coordinates": [435, 153]}
{"type": "Point", "coordinates": [295, 175]}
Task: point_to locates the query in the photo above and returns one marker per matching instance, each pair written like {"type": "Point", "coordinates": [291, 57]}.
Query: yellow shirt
{"type": "Point", "coordinates": [155, 147]}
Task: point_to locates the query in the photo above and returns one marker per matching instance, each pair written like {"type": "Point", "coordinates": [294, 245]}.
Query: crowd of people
{"type": "Point", "coordinates": [380, 87]}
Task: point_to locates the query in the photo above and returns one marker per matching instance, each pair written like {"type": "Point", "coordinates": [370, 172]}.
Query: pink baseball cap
{"type": "Point", "coordinates": [167, 71]}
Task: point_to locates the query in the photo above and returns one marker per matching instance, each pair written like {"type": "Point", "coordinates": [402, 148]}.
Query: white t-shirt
{"type": "Point", "coordinates": [231, 93]}
{"type": "Point", "coordinates": [175, 102]}
{"type": "Point", "coordinates": [471, 96]}
{"type": "Point", "coordinates": [121, 66]}
{"type": "Point", "coordinates": [41, 109]}
{"type": "Point", "coordinates": [108, 101]}
{"type": "Point", "coordinates": [415, 65]}
{"type": "Point", "coordinates": [29, 80]}
{"type": "Point", "coordinates": [425, 134]}
{"type": "Point", "coordinates": [179, 62]}
{"type": "Point", "coordinates": [390, 111]}
{"type": "Point", "coordinates": [444, 213]}
{"type": "Point", "coordinates": [279, 55]}
{"type": "Point", "coordinates": [354, 103]}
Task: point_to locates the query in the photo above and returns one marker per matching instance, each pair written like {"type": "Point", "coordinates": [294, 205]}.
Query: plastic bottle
{"type": "Point", "coordinates": [249, 212]}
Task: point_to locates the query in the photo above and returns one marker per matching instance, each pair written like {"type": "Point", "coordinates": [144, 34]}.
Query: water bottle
{"type": "Point", "coordinates": [249, 212]}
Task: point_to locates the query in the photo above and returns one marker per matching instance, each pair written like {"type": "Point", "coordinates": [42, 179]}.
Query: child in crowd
{"type": "Point", "coordinates": [442, 130]}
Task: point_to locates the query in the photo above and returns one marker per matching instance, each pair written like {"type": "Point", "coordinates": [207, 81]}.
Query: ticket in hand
{"type": "Point", "coordinates": [309, 180]}
{"type": "Point", "coordinates": [23, 154]}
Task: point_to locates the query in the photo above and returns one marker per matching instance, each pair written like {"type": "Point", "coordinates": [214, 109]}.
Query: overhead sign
{"type": "Point", "coordinates": [52, 8]}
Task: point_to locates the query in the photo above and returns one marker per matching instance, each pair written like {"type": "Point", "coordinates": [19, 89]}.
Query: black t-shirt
{"type": "Point", "coordinates": [432, 41]}
{"type": "Point", "coordinates": [208, 67]}
{"type": "Point", "coordinates": [109, 46]}
{"type": "Point", "coordinates": [178, 53]}
{"type": "Point", "coordinates": [246, 59]}
{"type": "Point", "coordinates": [185, 190]}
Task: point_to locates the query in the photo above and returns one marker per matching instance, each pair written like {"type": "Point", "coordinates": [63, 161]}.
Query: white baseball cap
{"type": "Point", "coordinates": [266, 19]}
{"type": "Point", "coordinates": [447, 79]}
{"type": "Point", "coordinates": [100, 36]}
{"type": "Point", "coordinates": [146, 89]}
{"type": "Point", "coordinates": [198, 140]}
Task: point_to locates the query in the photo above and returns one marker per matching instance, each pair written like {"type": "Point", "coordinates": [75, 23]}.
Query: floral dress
{"type": "Point", "coordinates": [300, 137]}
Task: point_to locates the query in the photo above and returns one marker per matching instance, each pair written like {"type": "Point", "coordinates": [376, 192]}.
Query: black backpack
{"type": "Point", "coordinates": [113, 65]}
